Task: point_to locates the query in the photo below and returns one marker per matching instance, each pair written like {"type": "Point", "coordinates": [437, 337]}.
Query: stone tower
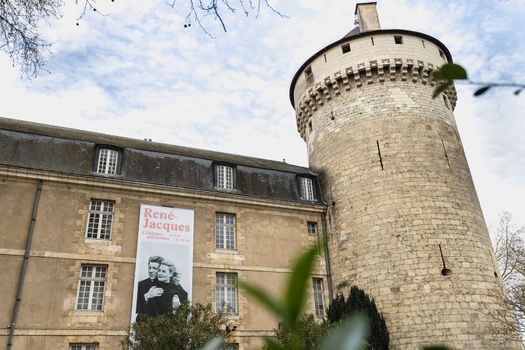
{"type": "Point", "coordinates": [404, 222]}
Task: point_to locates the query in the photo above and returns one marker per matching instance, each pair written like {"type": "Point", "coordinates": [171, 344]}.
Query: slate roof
{"type": "Point", "coordinates": [46, 147]}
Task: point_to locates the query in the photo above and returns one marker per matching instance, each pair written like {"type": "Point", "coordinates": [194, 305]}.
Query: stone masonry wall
{"type": "Point", "coordinates": [403, 205]}
{"type": "Point", "coordinates": [269, 236]}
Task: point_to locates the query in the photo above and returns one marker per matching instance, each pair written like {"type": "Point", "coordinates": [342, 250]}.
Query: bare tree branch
{"type": "Point", "coordinates": [510, 255]}
{"type": "Point", "coordinates": [19, 24]}
{"type": "Point", "coordinates": [19, 32]}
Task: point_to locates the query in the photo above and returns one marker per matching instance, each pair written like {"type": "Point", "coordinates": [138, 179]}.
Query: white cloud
{"type": "Point", "coordinates": [139, 73]}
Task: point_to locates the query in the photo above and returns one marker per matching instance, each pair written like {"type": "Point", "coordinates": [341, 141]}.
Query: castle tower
{"type": "Point", "coordinates": [404, 221]}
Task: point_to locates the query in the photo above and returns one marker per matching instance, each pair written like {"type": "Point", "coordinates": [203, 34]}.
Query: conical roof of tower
{"type": "Point", "coordinates": [352, 33]}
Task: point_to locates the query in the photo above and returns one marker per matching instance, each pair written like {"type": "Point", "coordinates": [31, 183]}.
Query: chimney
{"type": "Point", "coordinates": [366, 14]}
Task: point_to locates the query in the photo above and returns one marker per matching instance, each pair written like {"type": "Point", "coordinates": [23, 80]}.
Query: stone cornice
{"type": "Point", "coordinates": [366, 73]}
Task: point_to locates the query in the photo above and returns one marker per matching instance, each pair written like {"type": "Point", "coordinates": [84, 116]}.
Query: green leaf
{"type": "Point", "coordinates": [440, 88]}
{"type": "Point", "coordinates": [481, 91]}
{"type": "Point", "coordinates": [265, 299]}
{"type": "Point", "coordinates": [438, 75]}
{"type": "Point", "coordinates": [295, 294]}
{"type": "Point", "coordinates": [452, 71]}
{"type": "Point", "coordinates": [214, 344]}
{"type": "Point", "coordinates": [348, 336]}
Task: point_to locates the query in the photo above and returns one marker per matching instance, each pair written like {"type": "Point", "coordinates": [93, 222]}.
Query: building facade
{"type": "Point", "coordinates": [71, 203]}
{"type": "Point", "coordinates": [388, 188]}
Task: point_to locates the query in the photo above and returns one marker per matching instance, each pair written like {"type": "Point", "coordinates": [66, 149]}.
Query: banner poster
{"type": "Point", "coordinates": [164, 265]}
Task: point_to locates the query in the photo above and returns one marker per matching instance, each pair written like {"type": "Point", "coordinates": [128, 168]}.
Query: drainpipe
{"type": "Point", "coordinates": [327, 257]}
{"type": "Point", "coordinates": [12, 324]}
{"type": "Point", "coordinates": [325, 241]}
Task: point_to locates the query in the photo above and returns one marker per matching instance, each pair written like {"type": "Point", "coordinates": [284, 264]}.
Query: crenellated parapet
{"type": "Point", "coordinates": [363, 74]}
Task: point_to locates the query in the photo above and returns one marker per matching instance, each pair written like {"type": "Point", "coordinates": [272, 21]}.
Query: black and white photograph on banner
{"type": "Point", "coordinates": [163, 272]}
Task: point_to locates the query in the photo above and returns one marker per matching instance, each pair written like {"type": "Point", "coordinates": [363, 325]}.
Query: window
{"type": "Point", "coordinates": [83, 347]}
{"type": "Point", "coordinates": [345, 48]}
{"type": "Point", "coordinates": [224, 176]}
{"type": "Point", "coordinates": [107, 161]}
{"type": "Point", "coordinates": [309, 75]}
{"type": "Point", "coordinates": [91, 286]}
{"type": "Point", "coordinates": [226, 293]}
{"type": "Point", "coordinates": [318, 297]}
{"type": "Point", "coordinates": [442, 54]}
{"type": "Point", "coordinates": [446, 101]}
{"type": "Point", "coordinates": [100, 219]}
{"type": "Point", "coordinates": [225, 231]}
{"type": "Point", "coordinates": [312, 228]}
{"type": "Point", "coordinates": [398, 39]}
{"type": "Point", "coordinates": [307, 189]}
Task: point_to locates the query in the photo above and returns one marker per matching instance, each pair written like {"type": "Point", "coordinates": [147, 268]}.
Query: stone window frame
{"type": "Point", "coordinates": [318, 288]}
{"type": "Point", "coordinates": [226, 293]}
{"type": "Point", "coordinates": [225, 231]}
{"type": "Point", "coordinates": [99, 224]}
{"type": "Point", "coordinates": [91, 287]}
{"type": "Point", "coordinates": [83, 346]}
{"type": "Point", "coordinates": [312, 228]}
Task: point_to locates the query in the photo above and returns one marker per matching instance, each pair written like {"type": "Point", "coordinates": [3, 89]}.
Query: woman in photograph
{"type": "Point", "coordinates": [173, 294]}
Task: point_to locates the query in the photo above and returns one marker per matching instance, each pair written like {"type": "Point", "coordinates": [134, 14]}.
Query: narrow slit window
{"type": "Point", "coordinates": [442, 54]}
{"type": "Point", "coordinates": [345, 48]}
{"type": "Point", "coordinates": [398, 39]}
{"type": "Point", "coordinates": [308, 75]}
{"type": "Point", "coordinates": [423, 42]}
{"type": "Point", "coordinates": [372, 40]}
{"type": "Point", "coordinates": [446, 101]}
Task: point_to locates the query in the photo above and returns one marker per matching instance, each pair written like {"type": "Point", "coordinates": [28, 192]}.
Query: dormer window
{"type": "Point", "coordinates": [307, 188]}
{"type": "Point", "coordinates": [224, 177]}
{"type": "Point", "coordinates": [107, 161]}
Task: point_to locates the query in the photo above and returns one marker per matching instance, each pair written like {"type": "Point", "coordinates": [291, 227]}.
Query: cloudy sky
{"type": "Point", "coordinates": [138, 72]}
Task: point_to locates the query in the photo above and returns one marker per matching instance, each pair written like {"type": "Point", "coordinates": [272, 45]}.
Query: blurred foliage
{"type": "Point", "coordinates": [309, 329]}
{"type": "Point", "coordinates": [359, 302]}
{"type": "Point", "coordinates": [189, 328]}
{"type": "Point", "coordinates": [447, 73]}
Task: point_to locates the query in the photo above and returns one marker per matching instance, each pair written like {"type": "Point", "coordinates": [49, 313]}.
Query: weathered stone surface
{"type": "Point", "coordinates": [392, 165]}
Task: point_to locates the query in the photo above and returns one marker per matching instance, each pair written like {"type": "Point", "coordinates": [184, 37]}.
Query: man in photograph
{"type": "Point", "coordinates": [148, 288]}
